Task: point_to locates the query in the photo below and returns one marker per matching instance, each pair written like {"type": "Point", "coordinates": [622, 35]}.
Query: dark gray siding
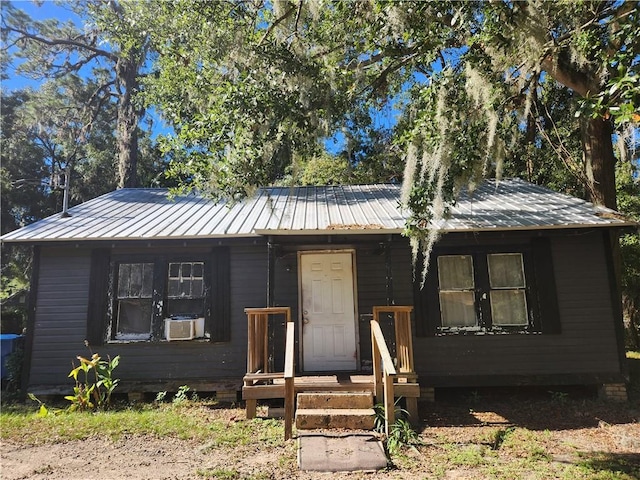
{"type": "Point", "coordinates": [585, 349]}
{"type": "Point", "coordinates": [60, 325]}
{"type": "Point", "coordinates": [61, 312]}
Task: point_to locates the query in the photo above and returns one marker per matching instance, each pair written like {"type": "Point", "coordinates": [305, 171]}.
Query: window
{"type": "Point", "coordinates": [482, 291]}
{"type": "Point", "coordinates": [490, 290]}
{"type": "Point", "coordinates": [143, 291]}
{"type": "Point", "coordinates": [134, 298]}
{"type": "Point", "coordinates": [457, 290]}
{"type": "Point", "coordinates": [508, 297]}
{"type": "Point", "coordinates": [186, 293]}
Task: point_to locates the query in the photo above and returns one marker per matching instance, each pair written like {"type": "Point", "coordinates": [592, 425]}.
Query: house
{"type": "Point", "coordinates": [520, 290]}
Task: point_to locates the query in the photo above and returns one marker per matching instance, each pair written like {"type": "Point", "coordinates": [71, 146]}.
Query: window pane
{"type": "Point", "coordinates": [509, 307]}
{"type": "Point", "coordinates": [455, 272]}
{"type": "Point", "coordinates": [147, 280]}
{"type": "Point", "coordinates": [185, 288]}
{"type": "Point", "coordinates": [186, 270]}
{"type": "Point", "coordinates": [197, 288]}
{"type": "Point", "coordinates": [506, 270]}
{"type": "Point", "coordinates": [174, 288]}
{"type": "Point", "coordinates": [134, 318]}
{"type": "Point", "coordinates": [457, 309]}
{"type": "Point", "coordinates": [124, 273]}
{"type": "Point", "coordinates": [174, 270]}
{"type": "Point", "coordinates": [197, 270]}
{"type": "Point", "coordinates": [186, 280]}
{"type": "Point", "coordinates": [135, 280]}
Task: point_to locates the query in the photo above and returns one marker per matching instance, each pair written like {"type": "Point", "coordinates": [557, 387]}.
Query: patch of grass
{"type": "Point", "coordinates": [466, 455]}
{"type": "Point", "coordinates": [188, 421]}
{"type": "Point", "coordinates": [526, 443]}
{"type": "Point", "coordinates": [220, 473]}
{"type": "Point", "coordinates": [611, 466]}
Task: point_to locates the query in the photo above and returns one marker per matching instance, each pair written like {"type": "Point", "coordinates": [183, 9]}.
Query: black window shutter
{"type": "Point", "coordinates": [160, 272]}
{"type": "Point", "coordinates": [546, 292]}
{"type": "Point", "coordinates": [219, 321]}
{"type": "Point", "coordinates": [98, 288]}
{"type": "Point", "coordinates": [427, 305]}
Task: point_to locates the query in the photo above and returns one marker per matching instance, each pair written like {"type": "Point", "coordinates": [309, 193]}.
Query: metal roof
{"type": "Point", "coordinates": [133, 214]}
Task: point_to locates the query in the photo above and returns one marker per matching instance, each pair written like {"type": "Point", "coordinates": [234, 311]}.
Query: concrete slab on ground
{"type": "Point", "coordinates": [340, 452]}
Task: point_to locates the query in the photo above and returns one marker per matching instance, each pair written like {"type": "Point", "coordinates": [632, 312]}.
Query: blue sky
{"type": "Point", "coordinates": [47, 9]}
{"type": "Point", "coordinates": [43, 10]}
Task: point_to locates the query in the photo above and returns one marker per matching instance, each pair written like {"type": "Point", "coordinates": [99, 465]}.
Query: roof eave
{"type": "Point", "coordinates": [333, 231]}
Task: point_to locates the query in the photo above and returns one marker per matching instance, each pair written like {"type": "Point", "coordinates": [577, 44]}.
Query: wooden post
{"type": "Point", "coordinates": [377, 372]}
{"type": "Point", "coordinates": [264, 332]}
{"type": "Point", "coordinates": [389, 404]}
{"type": "Point", "coordinates": [383, 366]}
{"type": "Point", "coordinates": [251, 407]}
{"type": "Point", "coordinates": [289, 381]}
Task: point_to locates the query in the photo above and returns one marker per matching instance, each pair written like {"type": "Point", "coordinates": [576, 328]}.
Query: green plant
{"type": "Point", "coordinates": [499, 436]}
{"type": "Point", "coordinates": [379, 415]}
{"type": "Point", "coordinates": [560, 397]}
{"type": "Point", "coordinates": [94, 383]}
{"type": "Point", "coordinates": [43, 411]}
{"type": "Point", "coordinates": [181, 396]}
{"type": "Point", "coordinates": [401, 434]}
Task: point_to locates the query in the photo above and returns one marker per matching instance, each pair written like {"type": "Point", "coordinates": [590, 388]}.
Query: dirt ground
{"type": "Point", "coordinates": [570, 426]}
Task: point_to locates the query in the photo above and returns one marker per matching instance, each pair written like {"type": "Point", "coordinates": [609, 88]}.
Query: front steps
{"type": "Point", "coordinates": [335, 410]}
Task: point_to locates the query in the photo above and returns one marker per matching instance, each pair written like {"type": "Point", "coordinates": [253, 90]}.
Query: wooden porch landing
{"type": "Point", "coordinates": [340, 382]}
{"type": "Point", "coordinates": [332, 383]}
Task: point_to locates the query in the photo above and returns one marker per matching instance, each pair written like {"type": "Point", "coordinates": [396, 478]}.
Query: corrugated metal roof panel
{"type": "Point", "coordinates": [151, 214]}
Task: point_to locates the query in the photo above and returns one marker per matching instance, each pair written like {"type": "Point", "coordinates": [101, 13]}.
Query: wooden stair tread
{"type": "Point", "coordinates": [335, 400]}
{"type": "Point", "coordinates": [335, 411]}
{"type": "Point", "coordinates": [335, 418]}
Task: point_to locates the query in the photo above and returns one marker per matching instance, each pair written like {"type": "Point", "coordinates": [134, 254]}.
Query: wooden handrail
{"type": "Point", "coordinates": [404, 339]}
{"type": "Point", "coordinates": [259, 372]}
{"type": "Point", "coordinates": [289, 380]}
{"type": "Point", "coordinates": [384, 373]}
{"type": "Point", "coordinates": [383, 350]}
{"type": "Point", "coordinates": [406, 374]}
{"type": "Point", "coordinates": [258, 338]}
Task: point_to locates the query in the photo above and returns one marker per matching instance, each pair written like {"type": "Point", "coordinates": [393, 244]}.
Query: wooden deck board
{"type": "Point", "coordinates": [333, 383]}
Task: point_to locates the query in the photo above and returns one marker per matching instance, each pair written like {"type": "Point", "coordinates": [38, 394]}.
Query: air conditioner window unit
{"type": "Point", "coordinates": [179, 329]}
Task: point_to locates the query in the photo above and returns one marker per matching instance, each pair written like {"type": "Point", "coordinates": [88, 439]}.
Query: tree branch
{"type": "Point", "coordinates": [562, 71]}
{"type": "Point", "coordinates": [283, 17]}
{"type": "Point", "coordinates": [64, 42]}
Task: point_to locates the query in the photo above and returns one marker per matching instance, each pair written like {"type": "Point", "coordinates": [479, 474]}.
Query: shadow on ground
{"type": "Point", "coordinates": [534, 408]}
{"type": "Point", "coordinates": [613, 463]}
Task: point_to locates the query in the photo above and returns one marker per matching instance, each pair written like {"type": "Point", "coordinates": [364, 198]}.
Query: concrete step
{"type": "Point", "coordinates": [343, 418]}
{"type": "Point", "coordinates": [323, 400]}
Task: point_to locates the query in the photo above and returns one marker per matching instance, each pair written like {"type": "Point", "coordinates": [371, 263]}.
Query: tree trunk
{"type": "Point", "coordinates": [127, 138]}
{"type": "Point", "coordinates": [599, 161]}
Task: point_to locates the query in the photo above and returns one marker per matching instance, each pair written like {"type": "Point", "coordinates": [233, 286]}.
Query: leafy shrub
{"type": "Point", "coordinates": [401, 434]}
{"type": "Point", "coordinates": [94, 383]}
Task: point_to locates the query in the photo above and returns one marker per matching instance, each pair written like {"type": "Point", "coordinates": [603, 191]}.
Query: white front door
{"type": "Point", "coordinates": [328, 311]}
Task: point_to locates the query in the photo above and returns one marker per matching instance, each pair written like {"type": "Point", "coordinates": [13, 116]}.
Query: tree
{"type": "Point", "coordinates": [108, 37]}
{"type": "Point", "coordinates": [254, 84]}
